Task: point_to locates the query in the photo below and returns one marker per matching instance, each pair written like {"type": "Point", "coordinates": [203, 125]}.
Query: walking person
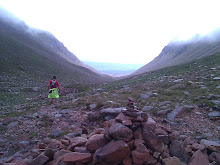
{"type": "Point", "coordinates": [54, 90]}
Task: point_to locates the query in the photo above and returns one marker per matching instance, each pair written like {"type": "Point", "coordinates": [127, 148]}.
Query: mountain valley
{"type": "Point", "coordinates": [190, 91]}
{"type": "Point", "coordinates": [175, 119]}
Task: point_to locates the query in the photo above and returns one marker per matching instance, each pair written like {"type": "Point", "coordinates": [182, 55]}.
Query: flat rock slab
{"type": "Point", "coordinates": [111, 112]}
{"type": "Point", "coordinates": [121, 132]}
{"type": "Point", "coordinates": [95, 142]}
{"type": "Point", "coordinates": [210, 143]}
{"type": "Point", "coordinates": [177, 149]}
{"type": "Point", "coordinates": [113, 153]}
{"type": "Point", "coordinates": [199, 158]}
{"type": "Point", "coordinates": [176, 112]}
{"type": "Point", "coordinates": [40, 160]}
{"type": "Point", "coordinates": [214, 114]}
{"type": "Point", "coordinates": [76, 157]}
{"type": "Point", "coordinates": [172, 161]}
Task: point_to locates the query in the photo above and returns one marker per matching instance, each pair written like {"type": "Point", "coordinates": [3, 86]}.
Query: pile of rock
{"type": "Point", "coordinates": [131, 138]}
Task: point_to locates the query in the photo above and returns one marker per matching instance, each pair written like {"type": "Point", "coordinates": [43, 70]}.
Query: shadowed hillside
{"type": "Point", "coordinates": [30, 57]}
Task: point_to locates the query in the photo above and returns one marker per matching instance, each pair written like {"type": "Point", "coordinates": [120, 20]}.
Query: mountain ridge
{"type": "Point", "coordinates": [30, 57]}
{"type": "Point", "coordinates": [178, 52]}
{"type": "Point", "coordinates": [45, 40]}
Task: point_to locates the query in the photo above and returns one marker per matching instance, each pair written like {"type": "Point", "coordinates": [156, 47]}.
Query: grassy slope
{"type": "Point", "coordinates": [182, 53]}
{"type": "Point", "coordinates": [196, 71]}
{"type": "Point", "coordinates": [161, 82]}
{"type": "Point", "coordinates": [115, 94]}
{"type": "Point", "coordinates": [24, 63]}
{"type": "Point", "coordinates": [183, 69]}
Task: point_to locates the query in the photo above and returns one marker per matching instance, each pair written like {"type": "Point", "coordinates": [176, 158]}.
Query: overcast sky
{"type": "Point", "coordinates": [119, 31]}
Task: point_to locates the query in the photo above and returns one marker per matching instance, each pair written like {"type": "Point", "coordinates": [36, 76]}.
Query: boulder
{"type": "Point", "coordinates": [76, 157]}
{"type": "Point", "coordinates": [164, 139]}
{"type": "Point", "coordinates": [127, 122]}
{"type": "Point", "coordinates": [196, 146]}
{"type": "Point", "coordinates": [65, 142]}
{"type": "Point", "coordinates": [176, 112]}
{"type": "Point", "coordinates": [49, 153]}
{"type": "Point", "coordinates": [121, 117]}
{"type": "Point", "coordinates": [163, 112]}
{"type": "Point", "coordinates": [147, 108]}
{"type": "Point", "coordinates": [113, 153]}
{"type": "Point", "coordinates": [96, 131]}
{"type": "Point", "coordinates": [56, 133]}
{"type": "Point", "coordinates": [216, 78]}
{"type": "Point", "coordinates": [60, 153]}
{"type": "Point", "coordinates": [160, 131]}
{"type": "Point", "coordinates": [146, 95]}
{"type": "Point", "coordinates": [177, 149]}
{"type": "Point", "coordinates": [199, 158]}
{"type": "Point", "coordinates": [144, 116]}
{"type": "Point", "coordinates": [214, 156]}
{"type": "Point", "coordinates": [174, 136]}
{"type": "Point", "coordinates": [92, 117]}
{"type": "Point", "coordinates": [172, 161]}
{"type": "Point", "coordinates": [214, 114]}
{"type": "Point", "coordinates": [127, 161]}
{"type": "Point", "coordinates": [216, 102]}
{"type": "Point", "coordinates": [92, 106]}
{"type": "Point", "coordinates": [138, 142]}
{"type": "Point", "coordinates": [165, 103]}
{"type": "Point", "coordinates": [111, 112]}
{"type": "Point", "coordinates": [152, 140]}
{"type": "Point", "coordinates": [121, 132]}
{"type": "Point", "coordinates": [40, 160]}
{"type": "Point", "coordinates": [12, 124]}
{"type": "Point", "coordinates": [81, 149]}
{"type": "Point", "coordinates": [210, 143]}
{"type": "Point", "coordinates": [132, 113]}
{"type": "Point", "coordinates": [140, 154]}
{"type": "Point", "coordinates": [151, 123]}
{"type": "Point", "coordinates": [178, 80]}
{"type": "Point", "coordinates": [76, 141]}
{"type": "Point", "coordinates": [95, 142]}
{"type": "Point", "coordinates": [54, 144]}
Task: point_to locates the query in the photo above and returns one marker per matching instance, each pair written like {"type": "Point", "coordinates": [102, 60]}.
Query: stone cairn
{"type": "Point", "coordinates": [131, 138]}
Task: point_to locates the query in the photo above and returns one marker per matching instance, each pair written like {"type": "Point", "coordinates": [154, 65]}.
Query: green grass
{"type": "Point", "coordinates": [183, 69]}
{"type": "Point", "coordinates": [3, 128]}
{"type": "Point", "coordinates": [12, 114]}
{"type": "Point", "coordinates": [46, 121]}
{"type": "Point", "coordinates": [23, 67]}
{"type": "Point", "coordinates": [166, 90]}
{"type": "Point", "coordinates": [32, 135]}
{"type": "Point", "coordinates": [34, 69]}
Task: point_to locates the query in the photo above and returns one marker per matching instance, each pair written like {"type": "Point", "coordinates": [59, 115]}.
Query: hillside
{"type": "Point", "coordinates": [30, 57]}
{"type": "Point", "coordinates": [179, 52]}
{"type": "Point", "coordinates": [180, 105]}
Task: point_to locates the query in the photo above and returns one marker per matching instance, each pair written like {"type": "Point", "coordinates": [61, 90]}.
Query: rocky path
{"type": "Point", "coordinates": [183, 109]}
{"type": "Point", "coordinates": [22, 132]}
{"type": "Point", "coordinates": [130, 137]}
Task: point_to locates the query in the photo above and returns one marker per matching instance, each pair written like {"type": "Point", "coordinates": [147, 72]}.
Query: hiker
{"type": "Point", "coordinates": [53, 85]}
{"type": "Point", "coordinates": [130, 104]}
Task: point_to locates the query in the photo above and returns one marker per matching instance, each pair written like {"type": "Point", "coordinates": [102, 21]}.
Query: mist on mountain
{"type": "Point", "coordinates": [183, 51]}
